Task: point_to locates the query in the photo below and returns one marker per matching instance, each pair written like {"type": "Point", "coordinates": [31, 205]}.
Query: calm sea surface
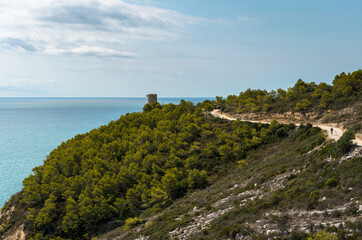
{"type": "Point", "coordinates": [31, 127]}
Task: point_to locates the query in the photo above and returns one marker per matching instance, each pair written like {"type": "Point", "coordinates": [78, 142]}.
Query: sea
{"type": "Point", "coordinates": [30, 128]}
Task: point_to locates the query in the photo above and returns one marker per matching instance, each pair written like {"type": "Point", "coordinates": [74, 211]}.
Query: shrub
{"type": "Point", "coordinates": [281, 133]}
{"type": "Point", "coordinates": [132, 222]}
{"type": "Point", "coordinates": [331, 182]}
{"type": "Point", "coordinates": [314, 197]}
{"type": "Point", "coordinates": [344, 144]}
{"type": "Point", "coordinates": [321, 235]}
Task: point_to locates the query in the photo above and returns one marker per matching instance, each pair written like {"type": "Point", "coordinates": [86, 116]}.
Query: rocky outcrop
{"type": "Point", "coordinates": [16, 234]}
{"type": "Point", "coordinates": [355, 152]}
{"type": "Point", "coordinates": [202, 218]}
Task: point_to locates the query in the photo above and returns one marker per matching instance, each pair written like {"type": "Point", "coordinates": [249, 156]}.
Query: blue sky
{"type": "Point", "coordinates": [128, 48]}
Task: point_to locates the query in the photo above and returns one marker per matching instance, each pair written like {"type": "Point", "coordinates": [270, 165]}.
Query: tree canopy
{"type": "Point", "coordinates": [302, 97]}
{"type": "Point", "coordinates": [139, 163]}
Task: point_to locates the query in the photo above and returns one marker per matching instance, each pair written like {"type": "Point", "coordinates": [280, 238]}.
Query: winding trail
{"type": "Point", "coordinates": [337, 131]}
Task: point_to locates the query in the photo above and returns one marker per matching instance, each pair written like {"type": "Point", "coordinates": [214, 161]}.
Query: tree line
{"type": "Point", "coordinates": [302, 97]}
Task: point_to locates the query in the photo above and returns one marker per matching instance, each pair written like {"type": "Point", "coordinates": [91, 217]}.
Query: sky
{"type": "Point", "coordinates": [188, 48]}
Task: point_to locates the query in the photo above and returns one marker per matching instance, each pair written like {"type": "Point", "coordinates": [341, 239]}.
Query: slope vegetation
{"type": "Point", "coordinates": [136, 165]}
{"type": "Point", "coordinates": [339, 103]}
{"type": "Point", "coordinates": [288, 189]}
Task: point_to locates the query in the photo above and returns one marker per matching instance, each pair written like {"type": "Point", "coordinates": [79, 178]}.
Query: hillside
{"type": "Point", "coordinates": [339, 103]}
{"type": "Point", "coordinates": [177, 172]}
{"type": "Point", "coordinates": [287, 189]}
{"type": "Point", "coordinates": [136, 165]}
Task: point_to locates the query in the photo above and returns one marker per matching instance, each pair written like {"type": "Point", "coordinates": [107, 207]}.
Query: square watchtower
{"type": "Point", "coordinates": [151, 98]}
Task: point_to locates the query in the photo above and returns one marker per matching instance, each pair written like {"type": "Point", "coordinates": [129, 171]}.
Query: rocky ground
{"type": "Point", "coordinates": [302, 220]}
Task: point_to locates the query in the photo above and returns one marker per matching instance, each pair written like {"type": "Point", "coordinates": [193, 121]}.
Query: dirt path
{"type": "Point", "coordinates": [335, 135]}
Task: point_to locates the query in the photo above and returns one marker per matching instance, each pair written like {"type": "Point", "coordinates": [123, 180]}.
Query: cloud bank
{"type": "Point", "coordinates": [85, 27]}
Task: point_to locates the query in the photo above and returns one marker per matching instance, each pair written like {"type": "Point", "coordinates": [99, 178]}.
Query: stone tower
{"type": "Point", "coordinates": [151, 98]}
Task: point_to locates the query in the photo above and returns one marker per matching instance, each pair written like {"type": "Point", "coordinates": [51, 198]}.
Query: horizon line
{"type": "Point", "coordinates": [106, 97]}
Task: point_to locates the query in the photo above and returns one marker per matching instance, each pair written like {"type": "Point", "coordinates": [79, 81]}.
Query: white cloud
{"type": "Point", "coordinates": [85, 27]}
{"type": "Point", "coordinates": [93, 51]}
{"type": "Point", "coordinates": [104, 28]}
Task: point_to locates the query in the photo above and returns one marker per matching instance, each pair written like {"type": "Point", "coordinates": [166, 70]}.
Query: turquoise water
{"type": "Point", "coordinates": [31, 127]}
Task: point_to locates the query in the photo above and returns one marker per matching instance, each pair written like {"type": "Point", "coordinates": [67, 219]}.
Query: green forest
{"type": "Point", "coordinates": [310, 183]}
{"type": "Point", "coordinates": [139, 163]}
{"type": "Point", "coordinates": [346, 89]}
